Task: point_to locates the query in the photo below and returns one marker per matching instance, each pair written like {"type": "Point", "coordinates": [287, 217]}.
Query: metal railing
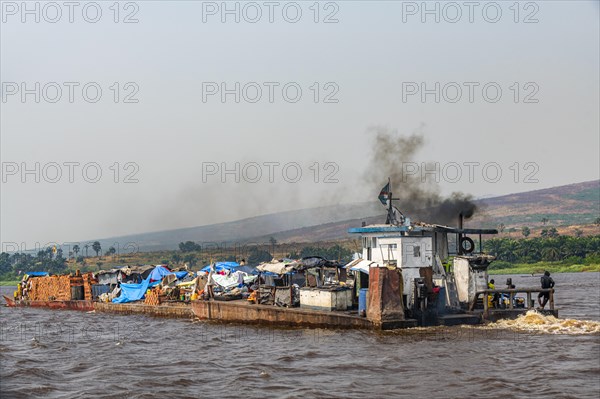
{"type": "Point", "coordinates": [511, 296]}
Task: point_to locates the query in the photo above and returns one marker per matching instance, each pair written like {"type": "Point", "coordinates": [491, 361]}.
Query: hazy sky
{"type": "Point", "coordinates": [170, 122]}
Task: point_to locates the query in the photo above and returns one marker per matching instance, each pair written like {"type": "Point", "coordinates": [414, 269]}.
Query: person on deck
{"type": "Point", "coordinates": [210, 282]}
{"type": "Point", "coordinates": [492, 299]}
{"type": "Point", "coordinates": [547, 283]}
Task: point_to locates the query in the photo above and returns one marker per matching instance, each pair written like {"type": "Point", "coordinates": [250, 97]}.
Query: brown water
{"type": "Point", "coordinates": [69, 354]}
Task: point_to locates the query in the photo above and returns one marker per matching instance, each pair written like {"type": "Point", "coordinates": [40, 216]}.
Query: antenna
{"type": "Point", "coordinates": [391, 215]}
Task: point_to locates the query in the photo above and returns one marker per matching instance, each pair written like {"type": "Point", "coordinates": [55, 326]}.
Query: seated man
{"type": "Point", "coordinates": [493, 299]}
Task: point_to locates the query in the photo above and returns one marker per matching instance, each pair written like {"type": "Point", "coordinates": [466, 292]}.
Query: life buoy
{"type": "Point", "coordinates": [467, 245]}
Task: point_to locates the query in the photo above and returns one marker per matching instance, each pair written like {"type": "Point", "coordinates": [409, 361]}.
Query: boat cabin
{"type": "Point", "coordinates": [436, 259]}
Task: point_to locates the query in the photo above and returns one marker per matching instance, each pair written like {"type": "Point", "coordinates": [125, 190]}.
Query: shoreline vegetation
{"type": "Point", "coordinates": [552, 252]}
{"type": "Point", "coordinates": [540, 267]}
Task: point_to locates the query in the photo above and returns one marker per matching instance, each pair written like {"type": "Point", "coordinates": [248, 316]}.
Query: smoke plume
{"type": "Point", "coordinates": [393, 156]}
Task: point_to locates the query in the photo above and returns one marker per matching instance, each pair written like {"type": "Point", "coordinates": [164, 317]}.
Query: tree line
{"type": "Point", "coordinates": [550, 247]}
{"type": "Point", "coordinates": [48, 260]}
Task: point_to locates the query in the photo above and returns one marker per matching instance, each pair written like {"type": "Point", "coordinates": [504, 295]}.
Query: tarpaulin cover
{"type": "Point", "coordinates": [37, 274]}
{"type": "Point", "coordinates": [159, 272]}
{"type": "Point", "coordinates": [220, 266]}
{"type": "Point", "coordinates": [247, 269]}
{"type": "Point", "coordinates": [283, 266]}
{"type": "Point", "coordinates": [181, 274]}
{"type": "Point", "coordinates": [132, 292]}
{"type": "Point", "coordinates": [313, 261]}
{"type": "Point", "coordinates": [361, 265]}
{"type": "Point", "coordinates": [317, 261]}
{"type": "Point", "coordinates": [233, 280]}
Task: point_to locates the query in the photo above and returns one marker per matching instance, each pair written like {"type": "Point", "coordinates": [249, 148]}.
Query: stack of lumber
{"type": "Point", "coordinates": [52, 287]}
{"type": "Point", "coordinates": [88, 281]}
{"type": "Point", "coordinates": [76, 281]}
{"type": "Point", "coordinates": [152, 297]}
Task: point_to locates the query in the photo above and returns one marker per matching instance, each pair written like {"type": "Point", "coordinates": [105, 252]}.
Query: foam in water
{"type": "Point", "coordinates": [533, 321]}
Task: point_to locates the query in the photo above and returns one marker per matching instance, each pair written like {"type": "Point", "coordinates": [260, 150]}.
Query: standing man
{"type": "Point", "coordinates": [547, 283]}
{"type": "Point", "coordinates": [210, 282]}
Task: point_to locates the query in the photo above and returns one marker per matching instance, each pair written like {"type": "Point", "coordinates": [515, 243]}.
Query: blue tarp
{"type": "Point", "coordinates": [221, 266]}
{"type": "Point", "coordinates": [132, 292]}
{"type": "Point", "coordinates": [37, 274]}
{"type": "Point", "coordinates": [181, 274]}
{"type": "Point", "coordinates": [159, 272]}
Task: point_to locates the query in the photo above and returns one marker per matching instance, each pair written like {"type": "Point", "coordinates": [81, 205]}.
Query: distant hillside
{"type": "Point", "coordinates": [243, 230]}
{"type": "Point", "coordinates": [571, 207]}
{"type": "Point", "coordinates": [574, 204]}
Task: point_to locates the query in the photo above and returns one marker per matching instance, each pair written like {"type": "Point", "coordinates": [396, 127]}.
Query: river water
{"type": "Point", "coordinates": [70, 354]}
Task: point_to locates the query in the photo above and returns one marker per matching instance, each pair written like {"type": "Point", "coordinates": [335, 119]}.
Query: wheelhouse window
{"type": "Point", "coordinates": [417, 251]}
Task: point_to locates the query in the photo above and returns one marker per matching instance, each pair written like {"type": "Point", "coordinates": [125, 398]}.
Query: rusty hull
{"type": "Point", "coordinates": [384, 298]}
{"type": "Point", "coordinates": [69, 305]}
{"type": "Point", "coordinates": [244, 312]}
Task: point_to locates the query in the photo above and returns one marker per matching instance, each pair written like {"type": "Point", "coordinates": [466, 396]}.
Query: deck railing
{"type": "Point", "coordinates": [511, 296]}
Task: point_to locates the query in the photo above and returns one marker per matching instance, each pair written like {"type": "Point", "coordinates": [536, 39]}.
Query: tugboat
{"type": "Point", "coordinates": [444, 278]}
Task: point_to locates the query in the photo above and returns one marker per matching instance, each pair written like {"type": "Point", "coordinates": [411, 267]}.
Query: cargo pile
{"type": "Point", "coordinates": [49, 288]}
{"type": "Point", "coordinates": [88, 281]}
{"type": "Point", "coordinates": [152, 297]}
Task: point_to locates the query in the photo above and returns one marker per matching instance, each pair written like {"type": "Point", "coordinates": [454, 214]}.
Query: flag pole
{"type": "Point", "coordinates": [389, 217]}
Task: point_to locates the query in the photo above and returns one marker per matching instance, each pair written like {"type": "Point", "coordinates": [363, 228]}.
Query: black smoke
{"type": "Point", "coordinates": [419, 198]}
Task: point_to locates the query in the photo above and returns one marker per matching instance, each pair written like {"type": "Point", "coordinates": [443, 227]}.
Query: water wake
{"type": "Point", "coordinates": [533, 321]}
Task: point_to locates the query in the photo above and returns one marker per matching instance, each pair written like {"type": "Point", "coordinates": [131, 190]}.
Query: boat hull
{"type": "Point", "coordinates": [243, 312]}
{"type": "Point", "coordinates": [69, 305]}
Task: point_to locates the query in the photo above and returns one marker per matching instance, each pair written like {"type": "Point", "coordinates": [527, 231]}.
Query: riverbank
{"type": "Point", "coordinates": [540, 267]}
{"type": "Point", "coordinates": [9, 283]}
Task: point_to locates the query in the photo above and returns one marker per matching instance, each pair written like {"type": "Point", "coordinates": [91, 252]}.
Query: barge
{"type": "Point", "coordinates": [409, 274]}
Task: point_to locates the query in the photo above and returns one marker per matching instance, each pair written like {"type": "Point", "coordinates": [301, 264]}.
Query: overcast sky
{"type": "Point", "coordinates": [162, 123]}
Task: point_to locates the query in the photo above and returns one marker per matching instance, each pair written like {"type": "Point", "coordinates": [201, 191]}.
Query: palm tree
{"type": "Point", "coordinates": [96, 247]}
{"type": "Point", "coordinates": [551, 253]}
{"type": "Point", "coordinates": [76, 250]}
{"type": "Point", "coordinates": [86, 246]}
{"type": "Point", "coordinates": [494, 246]}
{"type": "Point", "coordinates": [110, 252]}
{"type": "Point", "coordinates": [544, 220]}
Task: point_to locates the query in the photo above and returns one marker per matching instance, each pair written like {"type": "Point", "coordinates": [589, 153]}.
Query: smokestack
{"type": "Point", "coordinates": [364, 224]}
